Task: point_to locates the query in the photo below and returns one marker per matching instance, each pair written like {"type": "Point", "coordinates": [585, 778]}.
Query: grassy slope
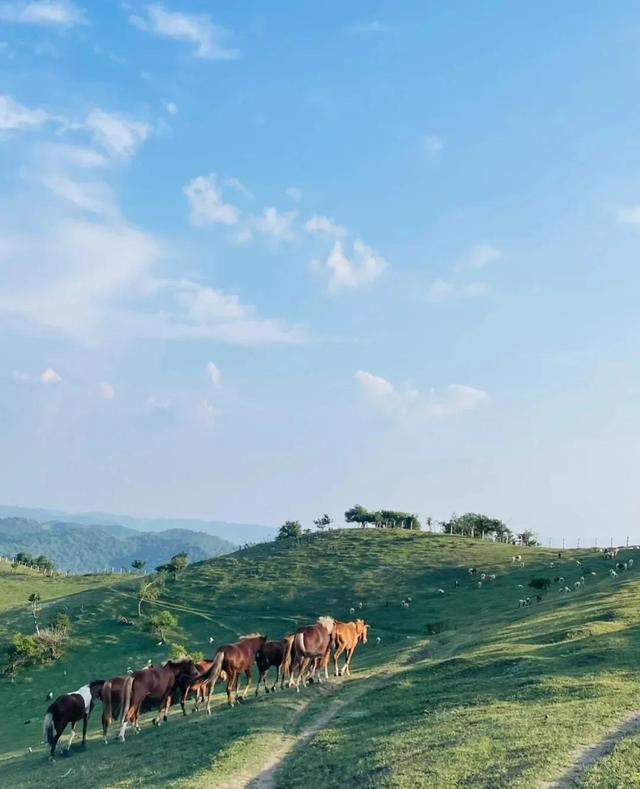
{"type": "Point", "coordinates": [501, 698]}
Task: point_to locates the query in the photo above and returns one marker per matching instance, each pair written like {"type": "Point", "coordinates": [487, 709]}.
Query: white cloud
{"type": "Point", "coordinates": [206, 203]}
{"type": "Point", "coordinates": [18, 375]}
{"type": "Point", "coordinates": [361, 270]}
{"type": "Point", "coordinates": [16, 116]}
{"type": "Point", "coordinates": [239, 187]}
{"type": "Point", "coordinates": [94, 197]}
{"type": "Point", "coordinates": [171, 107]}
{"type": "Point", "coordinates": [629, 215]}
{"type": "Point", "coordinates": [118, 135]}
{"type": "Point", "coordinates": [277, 224]}
{"type": "Point", "coordinates": [106, 391]}
{"type": "Point", "coordinates": [442, 290]}
{"type": "Point", "coordinates": [368, 26]}
{"type": "Point", "coordinates": [50, 376]}
{"type": "Point", "coordinates": [432, 146]}
{"type": "Point", "coordinates": [57, 13]}
{"type": "Point", "coordinates": [323, 224]}
{"type": "Point", "coordinates": [214, 373]}
{"type": "Point", "coordinates": [197, 29]}
{"type": "Point", "coordinates": [294, 193]}
{"type": "Point", "coordinates": [453, 400]}
{"type": "Point", "coordinates": [481, 255]}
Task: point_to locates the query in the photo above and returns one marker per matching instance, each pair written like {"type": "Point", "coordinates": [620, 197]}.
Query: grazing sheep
{"type": "Point", "coordinates": [521, 603]}
{"type": "Point", "coordinates": [561, 589]}
{"type": "Point", "coordinates": [378, 640]}
{"type": "Point", "coordinates": [561, 579]}
{"type": "Point", "coordinates": [577, 585]}
{"type": "Point", "coordinates": [409, 599]}
{"type": "Point", "coordinates": [483, 576]}
{"type": "Point", "coordinates": [440, 591]}
{"type": "Point", "coordinates": [528, 601]}
{"type": "Point", "coordinates": [360, 605]}
{"type": "Point", "coordinates": [404, 604]}
{"type": "Point", "coordinates": [593, 573]}
{"type": "Point", "coordinates": [578, 562]}
{"type": "Point", "coordinates": [552, 564]}
{"type": "Point", "coordinates": [211, 639]}
{"type": "Point", "coordinates": [472, 571]}
{"type": "Point", "coordinates": [521, 564]}
{"type": "Point", "coordinates": [566, 589]}
{"type": "Point", "coordinates": [520, 586]}
{"type": "Point", "coordinates": [479, 584]}
{"type": "Point", "coordinates": [613, 573]}
{"type": "Point", "coordinates": [492, 577]}
{"type": "Point", "coordinates": [516, 558]}
{"type": "Point", "coordinates": [352, 610]}
{"type": "Point", "coordinates": [630, 563]}
{"type": "Point", "coordinates": [456, 583]}
{"type": "Point", "coordinates": [581, 579]}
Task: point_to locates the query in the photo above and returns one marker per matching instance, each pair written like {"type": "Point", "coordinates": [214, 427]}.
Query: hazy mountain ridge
{"type": "Point", "coordinates": [237, 533]}
{"type": "Point", "coordinates": [78, 547]}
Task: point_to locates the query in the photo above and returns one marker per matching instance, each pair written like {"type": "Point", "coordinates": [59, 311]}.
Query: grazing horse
{"type": "Point", "coordinates": [346, 636]}
{"type": "Point", "coordinates": [274, 653]}
{"type": "Point", "coordinates": [200, 688]}
{"type": "Point", "coordinates": [153, 683]}
{"type": "Point", "coordinates": [233, 659]}
{"type": "Point", "coordinates": [310, 643]}
{"type": "Point", "coordinates": [112, 697]}
{"type": "Point", "coordinates": [70, 708]}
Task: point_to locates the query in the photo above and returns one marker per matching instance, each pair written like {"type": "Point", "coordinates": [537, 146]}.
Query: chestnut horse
{"type": "Point", "coordinates": [70, 708]}
{"type": "Point", "coordinates": [200, 688]}
{"type": "Point", "coordinates": [310, 645]}
{"type": "Point", "coordinates": [153, 683]}
{"type": "Point", "coordinates": [234, 659]}
{"type": "Point", "coordinates": [274, 653]}
{"type": "Point", "coordinates": [346, 636]}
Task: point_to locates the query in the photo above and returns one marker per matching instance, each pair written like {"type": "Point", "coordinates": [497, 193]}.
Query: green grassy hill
{"type": "Point", "coordinates": [497, 696]}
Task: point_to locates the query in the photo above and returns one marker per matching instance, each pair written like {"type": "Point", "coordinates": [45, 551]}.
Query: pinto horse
{"type": "Point", "coordinates": [70, 708]}
{"type": "Point", "coordinates": [232, 659]}
{"type": "Point", "coordinates": [274, 653]}
{"type": "Point", "coordinates": [346, 636]}
{"type": "Point", "coordinates": [310, 645]}
{"type": "Point", "coordinates": [153, 683]}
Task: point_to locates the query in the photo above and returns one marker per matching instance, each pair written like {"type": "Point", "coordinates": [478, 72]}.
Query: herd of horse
{"type": "Point", "coordinates": [299, 656]}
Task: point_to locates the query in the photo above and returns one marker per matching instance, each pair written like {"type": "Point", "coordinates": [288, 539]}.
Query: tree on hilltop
{"type": "Point", "coordinates": [138, 564]}
{"type": "Point", "coordinates": [323, 522]}
{"type": "Point", "coordinates": [289, 529]}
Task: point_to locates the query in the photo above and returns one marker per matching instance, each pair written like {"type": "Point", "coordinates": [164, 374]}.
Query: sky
{"type": "Point", "coordinates": [261, 261]}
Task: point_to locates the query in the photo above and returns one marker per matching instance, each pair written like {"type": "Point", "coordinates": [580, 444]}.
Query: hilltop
{"type": "Point", "coordinates": [83, 548]}
{"type": "Point", "coordinates": [470, 689]}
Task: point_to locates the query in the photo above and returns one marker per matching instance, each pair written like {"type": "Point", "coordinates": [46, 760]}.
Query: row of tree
{"type": "Point", "coordinates": [471, 524]}
{"type": "Point", "coordinates": [42, 562]}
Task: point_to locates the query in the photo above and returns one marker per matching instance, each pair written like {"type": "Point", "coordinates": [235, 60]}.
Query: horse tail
{"type": "Point", "coordinates": [48, 728]}
{"type": "Point", "coordinates": [213, 672]}
{"type": "Point", "coordinates": [107, 712]}
{"type": "Point", "coordinates": [126, 698]}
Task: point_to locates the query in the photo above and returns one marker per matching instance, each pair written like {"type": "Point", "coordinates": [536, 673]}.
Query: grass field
{"type": "Point", "coordinates": [501, 696]}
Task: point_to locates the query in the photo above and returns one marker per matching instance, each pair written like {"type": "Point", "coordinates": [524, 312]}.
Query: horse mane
{"type": "Point", "coordinates": [174, 661]}
{"type": "Point", "coordinates": [328, 622]}
{"type": "Point", "coordinates": [250, 635]}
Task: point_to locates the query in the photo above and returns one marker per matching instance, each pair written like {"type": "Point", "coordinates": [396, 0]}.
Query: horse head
{"type": "Point", "coordinates": [362, 629]}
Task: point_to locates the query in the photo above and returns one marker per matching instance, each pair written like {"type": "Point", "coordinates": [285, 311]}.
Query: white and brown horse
{"type": "Point", "coordinates": [69, 709]}
{"type": "Point", "coordinates": [310, 645]}
{"type": "Point", "coordinates": [346, 636]}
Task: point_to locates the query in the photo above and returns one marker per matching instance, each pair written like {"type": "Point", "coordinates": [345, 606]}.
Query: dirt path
{"type": "Point", "coordinates": [589, 754]}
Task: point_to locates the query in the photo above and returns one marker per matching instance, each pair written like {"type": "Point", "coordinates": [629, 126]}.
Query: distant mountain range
{"type": "Point", "coordinates": [237, 533]}
{"type": "Point", "coordinates": [81, 548]}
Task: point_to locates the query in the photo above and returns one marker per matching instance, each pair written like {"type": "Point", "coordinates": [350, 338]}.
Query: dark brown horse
{"type": "Point", "coordinates": [70, 708]}
{"type": "Point", "coordinates": [274, 653]}
{"type": "Point", "coordinates": [310, 645]}
{"type": "Point", "coordinates": [234, 659]}
{"type": "Point", "coordinates": [155, 684]}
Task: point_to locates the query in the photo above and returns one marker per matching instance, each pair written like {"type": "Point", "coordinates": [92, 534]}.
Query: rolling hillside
{"type": "Point", "coordinates": [464, 687]}
{"type": "Point", "coordinates": [91, 548]}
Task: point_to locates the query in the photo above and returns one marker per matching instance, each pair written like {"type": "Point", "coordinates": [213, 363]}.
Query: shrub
{"type": "Point", "coordinates": [540, 583]}
{"type": "Point", "coordinates": [160, 623]}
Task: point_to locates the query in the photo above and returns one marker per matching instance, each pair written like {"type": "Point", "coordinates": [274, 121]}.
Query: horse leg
{"type": "Point", "coordinates": [336, 660]}
{"type": "Point", "coordinates": [71, 736]}
{"type": "Point", "coordinates": [275, 681]}
{"type": "Point", "coordinates": [184, 698]}
{"type": "Point", "coordinates": [230, 680]}
{"type": "Point", "coordinates": [106, 721]}
{"type": "Point", "coordinates": [301, 669]}
{"type": "Point", "coordinates": [85, 723]}
{"type": "Point", "coordinates": [262, 679]}
{"type": "Point", "coordinates": [247, 674]}
{"type": "Point", "coordinates": [347, 665]}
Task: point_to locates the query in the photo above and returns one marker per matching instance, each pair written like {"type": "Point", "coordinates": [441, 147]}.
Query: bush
{"type": "Point", "coordinates": [540, 583]}
{"type": "Point", "coordinates": [160, 623]}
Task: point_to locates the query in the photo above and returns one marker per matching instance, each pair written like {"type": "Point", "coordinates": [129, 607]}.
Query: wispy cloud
{"type": "Point", "coordinates": [294, 193]}
{"type": "Point", "coordinates": [368, 26]}
{"type": "Point", "coordinates": [629, 215]}
{"type": "Point", "coordinates": [277, 224]}
{"type": "Point", "coordinates": [206, 203]}
{"type": "Point", "coordinates": [363, 268]}
{"type": "Point", "coordinates": [14, 115]}
{"type": "Point", "coordinates": [50, 376]}
{"type": "Point", "coordinates": [481, 255]}
{"type": "Point", "coordinates": [449, 402]}
{"type": "Point", "coordinates": [52, 13]}
{"type": "Point", "coordinates": [118, 135]}
{"type": "Point", "coordinates": [432, 146]}
{"type": "Point", "coordinates": [323, 224]}
{"type": "Point", "coordinates": [198, 29]}
{"type": "Point", "coordinates": [441, 290]}
{"type": "Point", "coordinates": [213, 371]}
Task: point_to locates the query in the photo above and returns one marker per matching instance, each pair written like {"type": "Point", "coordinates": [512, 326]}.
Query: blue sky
{"type": "Point", "coordinates": [262, 261]}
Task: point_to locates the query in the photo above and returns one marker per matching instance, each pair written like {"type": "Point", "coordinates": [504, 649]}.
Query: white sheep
{"type": "Point", "coordinates": [360, 604]}
{"type": "Point", "coordinates": [593, 572]}
{"type": "Point", "coordinates": [578, 562]}
{"type": "Point", "coordinates": [577, 585]}
{"type": "Point", "coordinates": [440, 591]}
{"type": "Point", "coordinates": [521, 603]}
{"type": "Point", "coordinates": [613, 573]}
{"type": "Point", "coordinates": [352, 610]}
{"type": "Point", "coordinates": [521, 564]}
{"type": "Point", "coordinates": [211, 639]}
{"type": "Point", "coordinates": [520, 586]}
{"type": "Point", "coordinates": [630, 563]}
{"type": "Point", "coordinates": [479, 584]}
{"type": "Point", "coordinates": [378, 640]}
{"type": "Point", "coordinates": [492, 577]}
{"type": "Point", "coordinates": [483, 576]}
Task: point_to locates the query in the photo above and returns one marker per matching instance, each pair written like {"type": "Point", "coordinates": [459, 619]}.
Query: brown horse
{"type": "Point", "coordinates": [310, 643]}
{"type": "Point", "coordinates": [234, 659]}
{"type": "Point", "coordinates": [346, 636]}
{"type": "Point", "coordinates": [112, 697]}
{"type": "Point", "coordinates": [274, 653]}
{"type": "Point", "coordinates": [70, 708]}
{"type": "Point", "coordinates": [200, 688]}
{"type": "Point", "coordinates": [154, 684]}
